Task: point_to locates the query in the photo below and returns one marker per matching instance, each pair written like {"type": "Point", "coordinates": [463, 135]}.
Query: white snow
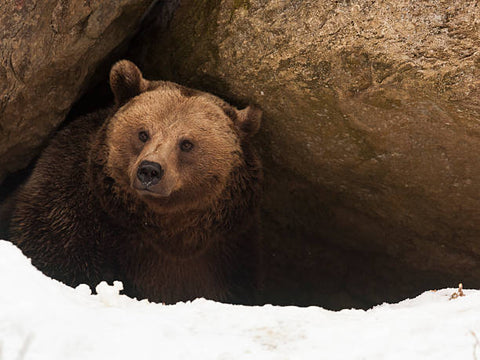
{"type": "Point", "coordinates": [41, 318]}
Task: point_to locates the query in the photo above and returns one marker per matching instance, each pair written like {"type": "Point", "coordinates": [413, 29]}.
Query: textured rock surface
{"type": "Point", "coordinates": [48, 51]}
{"type": "Point", "coordinates": [370, 136]}
{"type": "Point", "coordinates": [370, 140]}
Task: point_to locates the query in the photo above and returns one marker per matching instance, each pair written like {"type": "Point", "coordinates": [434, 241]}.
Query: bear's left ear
{"type": "Point", "coordinates": [248, 120]}
{"type": "Point", "coordinates": [126, 81]}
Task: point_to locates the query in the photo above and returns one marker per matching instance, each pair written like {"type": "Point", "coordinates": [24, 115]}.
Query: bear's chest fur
{"type": "Point", "coordinates": [149, 269]}
{"type": "Point", "coordinates": [177, 258]}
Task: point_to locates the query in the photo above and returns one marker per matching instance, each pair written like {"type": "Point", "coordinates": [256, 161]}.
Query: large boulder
{"type": "Point", "coordinates": [49, 50]}
{"type": "Point", "coordinates": [370, 138]}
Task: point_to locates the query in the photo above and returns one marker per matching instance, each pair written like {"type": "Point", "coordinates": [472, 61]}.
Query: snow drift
{"type": "Point", "coordinates": [41, 318]}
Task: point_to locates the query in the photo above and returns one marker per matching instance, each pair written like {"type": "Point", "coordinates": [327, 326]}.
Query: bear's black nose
{"type": "Point", "coordinates": [149, 173]}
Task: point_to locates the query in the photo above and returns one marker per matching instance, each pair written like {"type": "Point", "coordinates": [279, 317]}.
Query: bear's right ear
{"type": "Point", "coordinates": [126, 81]}
{"type": "Point", "coordinates": [248, 120]}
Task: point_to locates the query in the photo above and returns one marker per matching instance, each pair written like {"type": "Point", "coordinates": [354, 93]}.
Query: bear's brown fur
{"type": "Point", "coordinates": [160, 191]}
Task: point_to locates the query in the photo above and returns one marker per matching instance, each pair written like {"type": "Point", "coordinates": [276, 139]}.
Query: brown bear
{"type": "Point", "coordinates": [161, 191]}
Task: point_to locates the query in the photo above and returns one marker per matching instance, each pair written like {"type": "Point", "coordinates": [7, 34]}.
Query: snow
{"type": "Point", "coordinates": [41, 318]}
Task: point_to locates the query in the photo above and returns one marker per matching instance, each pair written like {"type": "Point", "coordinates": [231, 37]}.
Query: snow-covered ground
{"type": "Point", "coordinates": [43, 319]}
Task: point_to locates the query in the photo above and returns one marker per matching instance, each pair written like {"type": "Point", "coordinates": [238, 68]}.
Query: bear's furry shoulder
{"type": "Point", "coordinates": [79, 224]}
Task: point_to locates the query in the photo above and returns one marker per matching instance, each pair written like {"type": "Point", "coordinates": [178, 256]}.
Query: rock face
{"type": "Point", "coordinates": [370, 137]}
{"type": "Point", "coordinates": [49, 50]}
{"type": "Point", "coordinates": [371, 123]}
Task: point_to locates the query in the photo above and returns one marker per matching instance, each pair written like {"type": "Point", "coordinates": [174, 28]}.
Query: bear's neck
{"type": "Point", "coordinates": [180, 232]}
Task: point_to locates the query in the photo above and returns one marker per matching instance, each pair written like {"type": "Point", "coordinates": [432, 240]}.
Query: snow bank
{"type": "Point", "coordinates": [41, 318]}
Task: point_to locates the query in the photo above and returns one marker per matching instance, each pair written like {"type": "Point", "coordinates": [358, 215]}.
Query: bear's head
{"type": "Point", "coordinates": [171, 146]}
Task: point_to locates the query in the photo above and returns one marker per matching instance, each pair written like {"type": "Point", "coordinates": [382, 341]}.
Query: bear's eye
{"type": "Point", "coordinates": [186, 146]}
{"type": "Point", "coordinates": [143, 136]}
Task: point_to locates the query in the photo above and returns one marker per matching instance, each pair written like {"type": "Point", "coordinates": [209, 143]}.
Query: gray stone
{"type": "Point", "coordinates": [370, 138]}
{"type": "Point", "coordinates": [48, 51]}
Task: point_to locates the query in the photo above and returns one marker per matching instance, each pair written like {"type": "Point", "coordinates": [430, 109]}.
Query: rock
{"type": "Point", "coordinates": [49, 50]}
{"type": "Point", "coordinates": [370, 137]}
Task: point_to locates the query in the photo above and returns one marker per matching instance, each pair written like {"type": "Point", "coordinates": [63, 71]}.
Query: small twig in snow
{"type": "Point", "coordinates": [457, 293]}
{"type": "Point", "coordinates": [25, 346]}
{"type": "Point", "coordinates": [475, 344]}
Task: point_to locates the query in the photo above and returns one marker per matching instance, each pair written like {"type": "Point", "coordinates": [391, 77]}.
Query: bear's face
{"type": "Point", "coordinates": [173, 148]}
